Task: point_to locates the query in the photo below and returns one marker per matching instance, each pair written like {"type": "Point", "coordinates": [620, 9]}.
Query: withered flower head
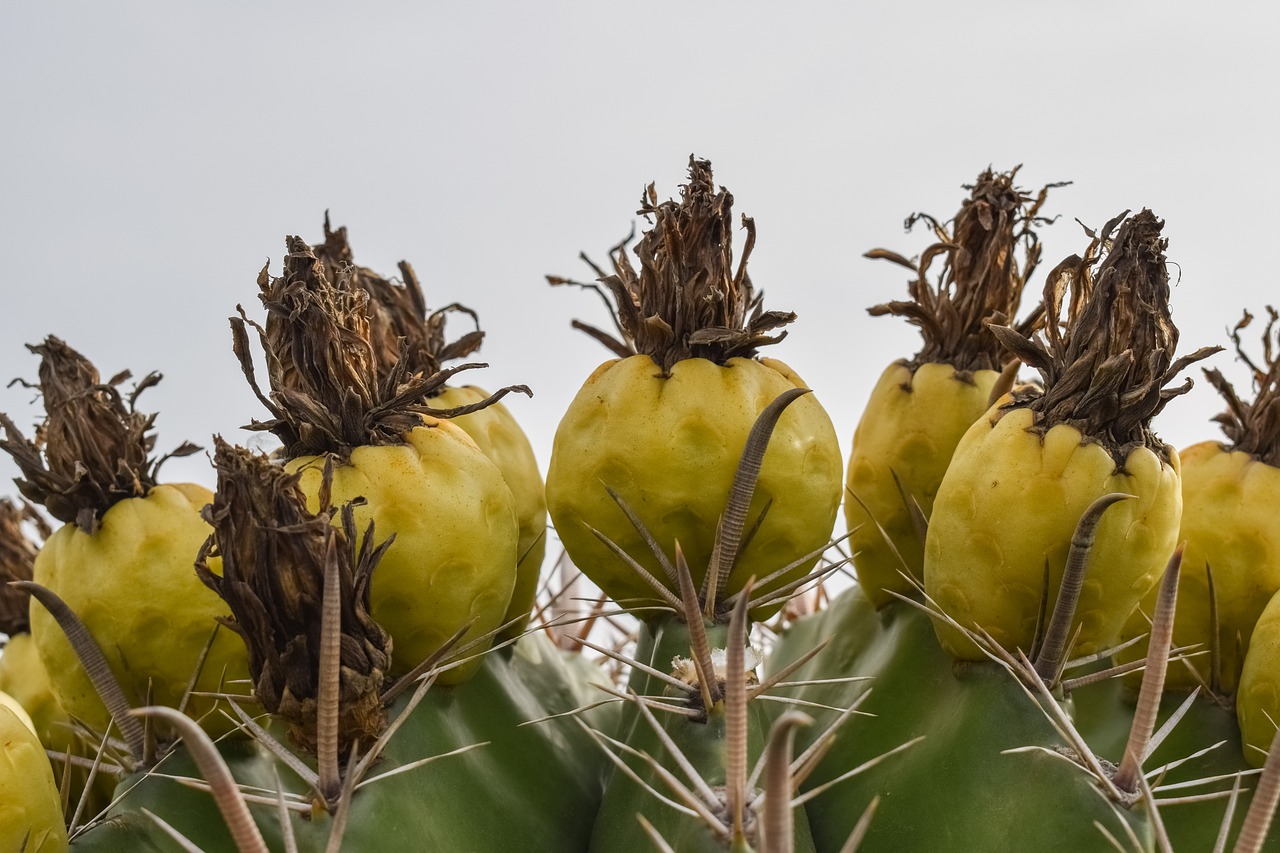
{"type": "Point", "coordinates": [401, 327]}
{"type": "Point", "coordinates": [330, 391]}
{"type": "Point", "coordinates": [93, 448]}
{"type": "Point", "coordinates": [687, 300]}
{"type": "Point", "coordinates": [1254, 427]}
{"type": "Point", "coordinates": [987, 260]}
{"type": "Point", "coordinates": [275, 556]}
{"type": "Point", "coordinates": [17, 556]}
{"type": "Point", "coordinates": [1106, 363]}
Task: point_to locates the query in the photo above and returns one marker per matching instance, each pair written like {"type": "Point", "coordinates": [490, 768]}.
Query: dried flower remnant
{"type": "Point", "coordinates": [982, 278]}
{"type": "Point", "coordinates": [687, 300]}
{"type": "Point", "coordinates": [17, 556]}
{"type": "Point", "coordinates": [94, 447]}
{"type": "Point", "coordinates": [275, 555]}
{"type": "Point", "coordinates": [1106, 361]}
{"type": "Point", "coordinates": [329, 391]}
{"type": "Point", "coordinates": [1253, 427]}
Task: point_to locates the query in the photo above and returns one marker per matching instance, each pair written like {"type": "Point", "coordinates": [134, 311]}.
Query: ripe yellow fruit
{"type": "Point", "coordinates": [133, 583]}
{"type": "Point", "coordinates": [910, 428]}
{"type": "Point", "coordinates": [24, 677]}
{"type": "Point", "coordinates": [1228, 522]}
{"type": "Point", "coordinates": [454, 557]}
{"type": "Point", "coordinates": [500, 438]}
{"type": "Point", "coordinates": [1258, 699]}
{"type": "Point", "coordinates": [1009, 505]}
{"type": "Point", "coordinates": [30, 808]}
{"type": "Point", "coordinates": [669, 446]}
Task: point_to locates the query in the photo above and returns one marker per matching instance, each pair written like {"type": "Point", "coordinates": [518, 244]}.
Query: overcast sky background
{"type": "Point", "coordinates": [155, 155]}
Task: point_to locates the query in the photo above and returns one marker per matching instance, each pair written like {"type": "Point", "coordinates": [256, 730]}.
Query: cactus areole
{"type": "Point", "coordinates": [1024, 473]}
{"type": "Point", "coordinates": [123, 559]}
{"type": "Point", "coordinates": [922, 406]}
{"type": "Point", "coordinates": [422, 479]}
{"type": "Point", "coordinates": [664, 424]}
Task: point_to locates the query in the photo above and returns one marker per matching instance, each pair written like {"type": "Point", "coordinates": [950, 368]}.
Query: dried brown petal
{"type": "Point", "coordinates": [274, 556]}
{"type": "Point", "coordinates": [17, 556]}
{"type": "Point", "coordinates": [1107, 355]}
{"type": "Point", "coordinates": [330, 390]}
{"type": "Point", "coordinates": [986, 264]}
{"type": "Point", "coordinates": [401, 327]}
{"type": "Point", "coordinates": [94, 447]}
{"type": "Point", "coordinates": [1254, 426]}
{"type": "Point", "coordinates": [687, 300]}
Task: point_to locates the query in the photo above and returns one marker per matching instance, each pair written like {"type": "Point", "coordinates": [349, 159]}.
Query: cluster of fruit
{"type": "Point", "coordinates": [345, 646]}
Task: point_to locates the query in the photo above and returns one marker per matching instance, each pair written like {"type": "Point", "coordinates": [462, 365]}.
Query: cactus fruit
{"type": "Point", "coordinates": [921, 407]}
{"type": "Point", "coordinates": [663, 425]}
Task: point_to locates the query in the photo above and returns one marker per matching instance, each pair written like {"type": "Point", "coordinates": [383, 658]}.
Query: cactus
{"type": "Point", "coordinates": [727, 699]}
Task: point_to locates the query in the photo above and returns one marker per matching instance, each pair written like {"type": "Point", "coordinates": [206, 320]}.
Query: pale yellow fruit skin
{"type": "Point", "coordinates": [1229, 505]}
{"type": "Point", "coordinates": [134, 585]}
{"type": "Point", "coordinates": [1011, 500]}
{"type": "Point", "coordinates": [1258, 699]}
{"type": "Point", "coordinates": [24, 677]}
{"type": "Point", "coordinates": [454, 555]}
{"type": "Point", "coordinates": [29, 804]}
{"type": "Point", "coordinates": [910, 426]}
{"type": "Point", "coordinates": [670, 447]}
{"type": "Point", "coordinates": [499, 437]}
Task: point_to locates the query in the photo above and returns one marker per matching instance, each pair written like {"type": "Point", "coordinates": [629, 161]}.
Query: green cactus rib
{"type": "Point", "coordinates": [533, 787]}
{"type": "Point", "coordinates": [702, 745]}
{"type": "Point", "coordinates": [970, 784]}
{"type": "Point", "coordinates": [1102, 714]}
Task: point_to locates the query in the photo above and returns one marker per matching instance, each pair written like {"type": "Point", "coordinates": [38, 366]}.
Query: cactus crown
{"type": "Point", "coordinates": [330, 391]}
{"type": "Point", "coordinates": [398, 311]}
{"type": "Point", "coordinates": [1106, 361]}
{"type": "Point", "coordinates": [94, 447]}
{"type": "Point", "coordinates": [687, 300]}
{"type": "Point", "coordinates": [1253, 427]}
{"type": "Point", "coordinates": [988, 257]}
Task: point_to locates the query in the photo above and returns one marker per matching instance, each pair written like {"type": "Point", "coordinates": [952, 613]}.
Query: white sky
{"type": "Point", "coordinates": [156, 154]}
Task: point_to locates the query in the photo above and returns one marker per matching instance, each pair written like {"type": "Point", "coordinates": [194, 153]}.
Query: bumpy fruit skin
{"type": "Point", "coordinates": [133, 583]}
{"type": "Point", "coordinates": [1010, 502]}
{"type": "Point", "coordinates": [1229, 501]}
{"type": "Point", "coordinates": [1258, 699]}
{"type": "Point", "coordinates": [670, 446]}
{"type": "Point", "coordinates": [454, 556]}
{"type": "Point", "coordinates": [30, 808]}
{"type": "Point", "coordinates": [23, 677]}
{"type": "Point", "coordinates": [910, 427]}
{"type": "Point", "coordinates": [499, 437]}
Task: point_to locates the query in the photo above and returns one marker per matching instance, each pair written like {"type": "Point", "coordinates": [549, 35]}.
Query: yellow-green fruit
{"type": "Point", "coordinates": [133, 583]}
{"type": "Point", "coordinates": [453, 561]}
{"type": "Point", "coordinates": [1229, 504]}
{"type": "Point", "coordinates": [910, 427]}
{"type": "Point", "coordinates": [1258, 699]}
{"type": "Point", "coordinates": [1010, 503]}
{"type": "Point", "coordinates": [24, 677]}
{"type": "Point", "coordinates": [499, 437]}
{"type": "Point", "coordinates": [30, 808]}
{"type": "Point", "coordinates": [669, 446]}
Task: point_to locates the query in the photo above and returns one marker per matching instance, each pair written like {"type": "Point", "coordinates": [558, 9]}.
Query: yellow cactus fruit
{"type": "Point", "coordinates": [124, 559]}
{"type": "Point", "coordinates": [669, 445]}
{"type": "Point", "coordinates": [1024, 474]}
{"type": "Point", "coordinates": [453, 561]}
{"type": "Point", "coordinates": [663, 426]}
{"type": "Point", "coordinates": [1231, 568]}
{"type": "Point", "coordinates": [921, 407]}
{"type": "Point", "coordinates": [30, 807]}
{"type": "Point", "coordinates": [1258, 699]}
